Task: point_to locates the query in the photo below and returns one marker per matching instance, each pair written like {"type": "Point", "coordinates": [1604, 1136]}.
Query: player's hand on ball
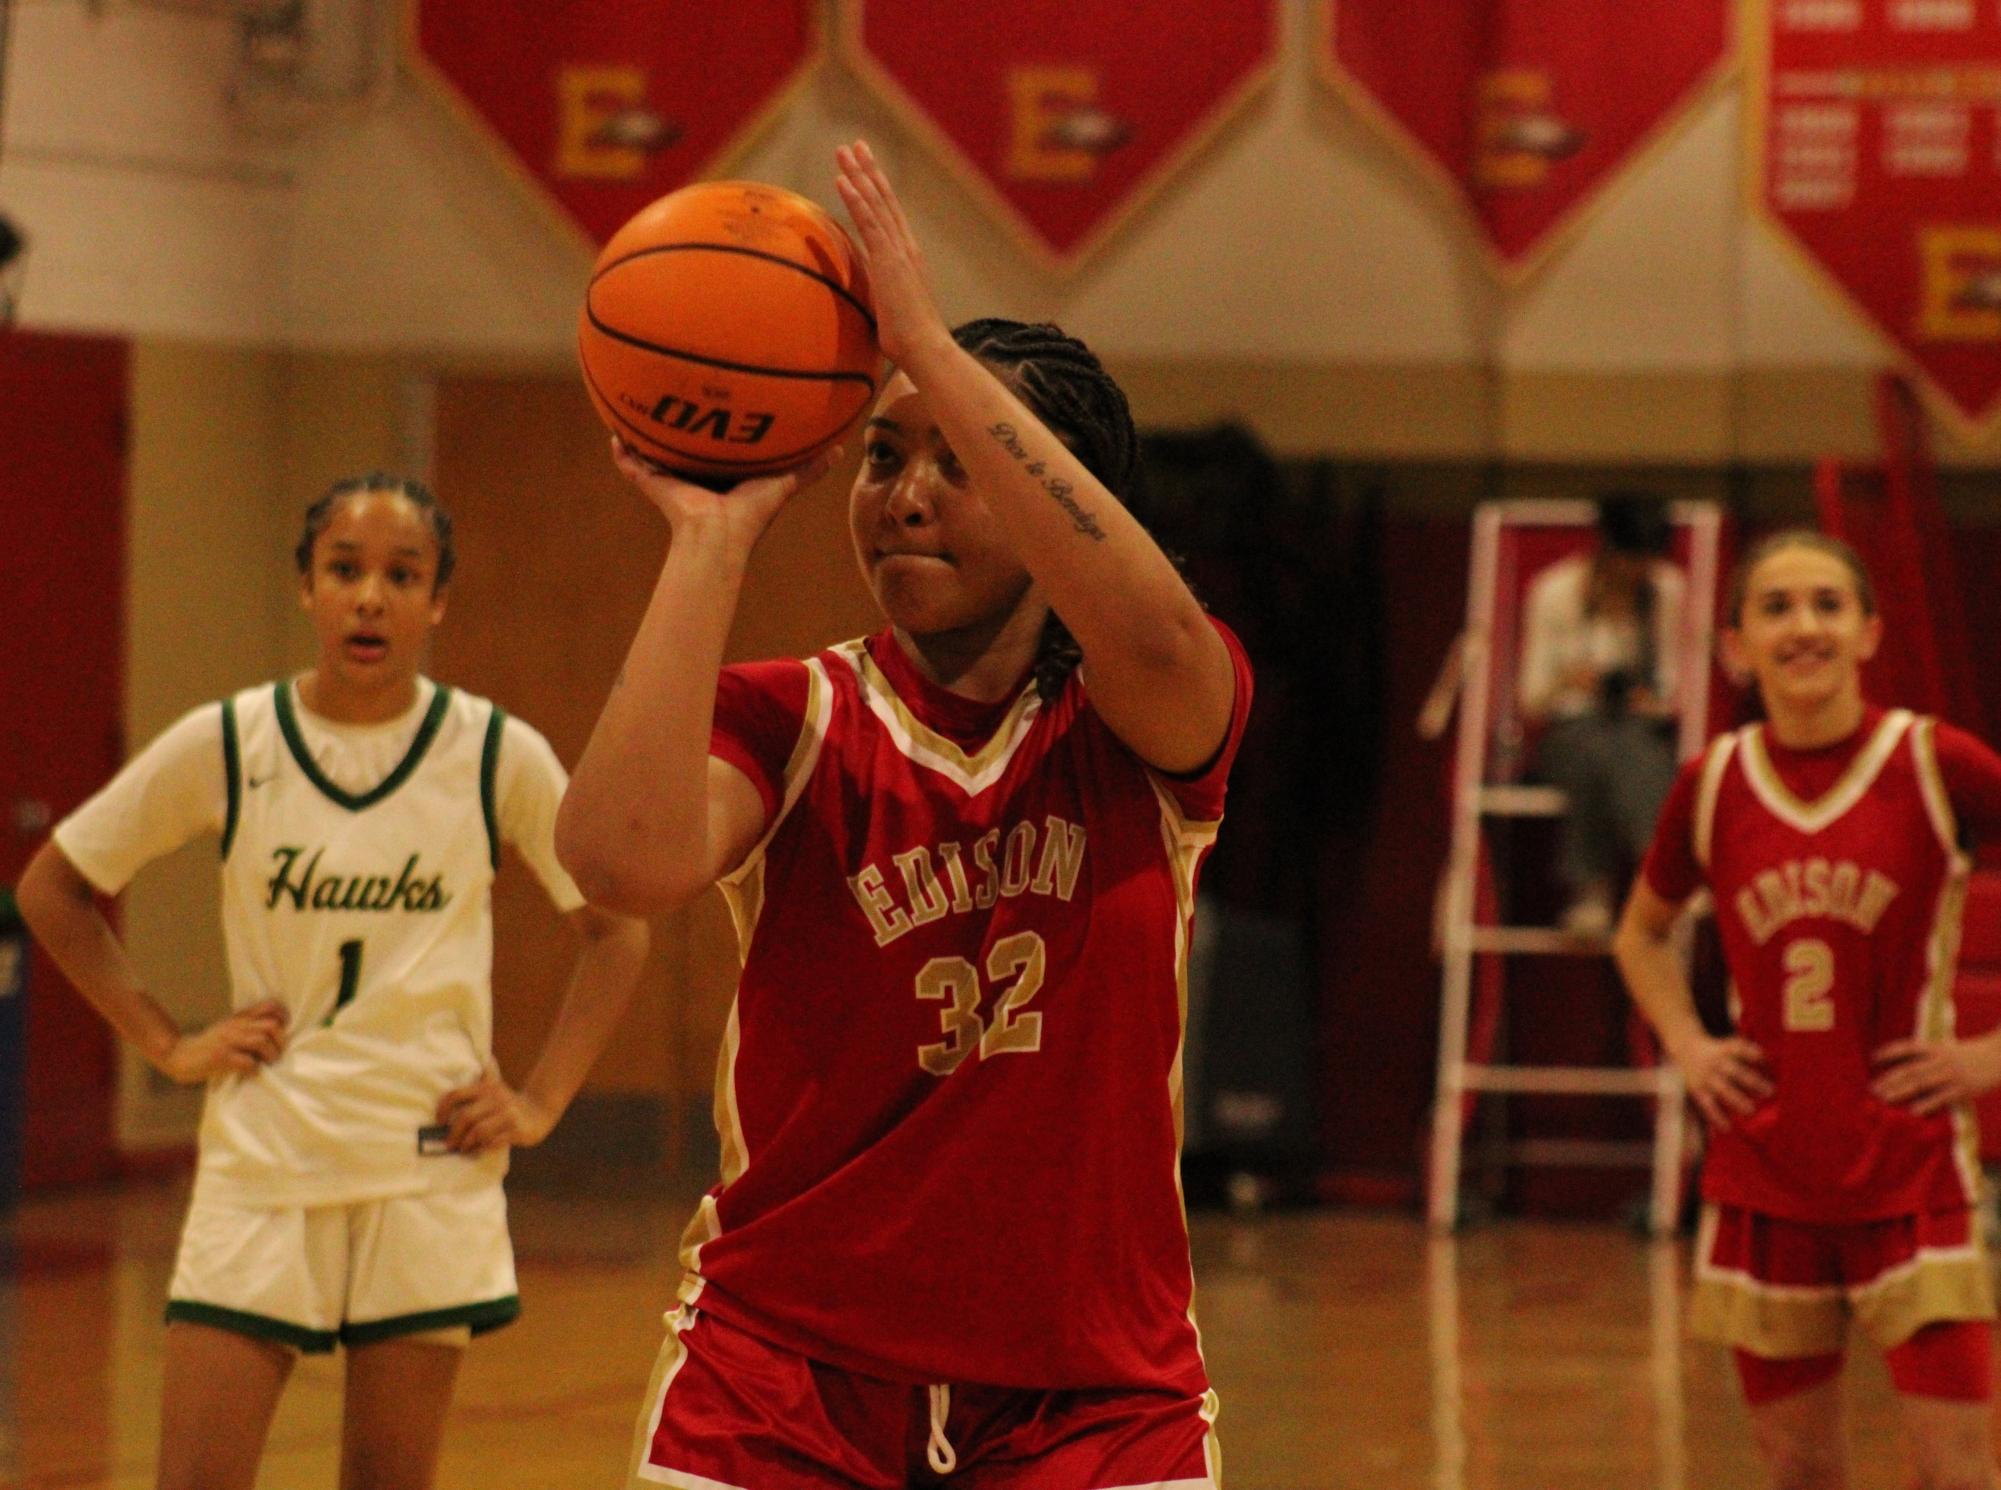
{"type": "Point", "coordinates": [907, 322]}
{"type": "Point", "coordinates": [236, 1044]}
{"type": "Point", "coordinates": [743, 512]}
{"type": "Point", "coordinates": [490, 1114]}
{"type": "Point", "coordinates": [1930, 1075]}
{"type": "Point", "coordinates": [1727, 1079]}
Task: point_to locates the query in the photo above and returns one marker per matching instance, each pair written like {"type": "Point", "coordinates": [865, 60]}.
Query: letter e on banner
{"type": "Point", "coordinates": [1875, 137]}
{"type": "Point", "coordinates": [603, 105]}
{"type": "Point", "coordinates": [1063, 116]}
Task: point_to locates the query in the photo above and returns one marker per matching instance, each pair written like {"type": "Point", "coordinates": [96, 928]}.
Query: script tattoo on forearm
{"type": "Point", "coordinates": [1058, 489]}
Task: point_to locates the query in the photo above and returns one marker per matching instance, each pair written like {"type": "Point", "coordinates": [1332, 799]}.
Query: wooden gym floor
{"type": "Point", "coordinates": [1350, 1349]}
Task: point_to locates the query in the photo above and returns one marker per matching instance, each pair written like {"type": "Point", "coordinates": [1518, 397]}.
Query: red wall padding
{"type": "Point", "coordinates": [63, 406]}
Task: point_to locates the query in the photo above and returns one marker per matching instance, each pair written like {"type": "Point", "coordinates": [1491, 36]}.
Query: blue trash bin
{"type": "Point", "coordinates": [13, 1043]}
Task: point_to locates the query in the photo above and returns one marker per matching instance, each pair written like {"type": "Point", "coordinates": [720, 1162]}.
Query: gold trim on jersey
{"type": "Point", "coordinates": [703, 1227]}
{"type": "Point", "coordinates": [798, 771]}
{"type": "Point", "coordinates": [1931, 784]}
{"type": "Point", "coordinates": [729, 1122]}
{"type": "Point", "coordinates": [1937, 1016]}
{"type": "Point", "coordinates": [743, 893]}
{"type": "Point", "coordinates": [1184, 841]}
{"type": "Point", "coordinates": [743, 886]}
{"type": "Point", "coordinates": [1811, 817]}
{"type": "Point", "coordinates": [972, 773]}
{"type": "Point", "coordinates": [1713, 766]}
{"type": "Point", "coordinates": [706, 1224]}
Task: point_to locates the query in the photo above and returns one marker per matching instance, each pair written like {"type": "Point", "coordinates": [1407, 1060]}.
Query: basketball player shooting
{"type": "Point", "coordinates": [947, 1244]}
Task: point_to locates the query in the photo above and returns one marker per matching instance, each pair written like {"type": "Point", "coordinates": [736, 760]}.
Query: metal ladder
{"type": "Point", "coordinates": [1486, 663]}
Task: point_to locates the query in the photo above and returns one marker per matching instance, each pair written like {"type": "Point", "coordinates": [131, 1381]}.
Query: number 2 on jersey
{"type": "Point", "coordinates": [350, 977]}
{"type": "Point", "coordinates": [1809, 964]}
{"type": "Point", "coordinates": [957, 981]}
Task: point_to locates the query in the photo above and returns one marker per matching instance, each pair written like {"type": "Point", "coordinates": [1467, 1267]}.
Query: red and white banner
{"type": "Point", "coordinates": [1876, 132]}
{"type": "Point", "coordinates": [608, 104]}
{"type": "Point", "coordinates": [1064, 115]}
{"type": "Point", "coordinates": [1527, 108]}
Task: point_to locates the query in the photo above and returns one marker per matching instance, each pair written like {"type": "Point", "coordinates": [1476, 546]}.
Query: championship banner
{"type": "Point", "coordinates": [607, 104]}
{"type": "Point", "coordinates": [1063, 115]}
{"type": "Point", "coordinates": [1876, 132]}
{"type": "Point", "coordinates": [1525, 109]}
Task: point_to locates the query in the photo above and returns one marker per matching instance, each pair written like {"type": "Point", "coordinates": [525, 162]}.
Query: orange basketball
{"type": "Point", "coordinates": [727, 331]}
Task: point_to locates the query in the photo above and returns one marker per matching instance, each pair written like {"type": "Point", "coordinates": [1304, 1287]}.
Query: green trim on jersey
{"type": "Point", "coordinates": [490, 1315]}
{"type": "Point", "coordinates": [232, 770]}
{"type": "Point", "coordinates": [288, 725]}
{"type": "Point", "coordinates": [256, 1326]}
{"type": "Point", "coordinates": [489, 766]}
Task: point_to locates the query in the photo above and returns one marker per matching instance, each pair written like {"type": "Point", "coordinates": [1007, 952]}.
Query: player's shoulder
{"type": "Point", "coordinates": [507, 743]}
{"type": "Point", "coordinates": [773, 690]}
{"type": "Point", "coordinates": [462, 704]}
{"type": "Point", "coordinates": [842, 660]}
{"type": "Point", "coordinates": [459, 719]}
{"type": "Point", "coordinates": [256, 701]}
{"type": "Point", "coordinates": [201, 730]}
{"type": "Point", "coordinates": [1708, 765]}
{"type": "Point", "coordinates": [784, 676]}
{"type": "Point", "coordinates": [1954, 738]}
{"type": "Point", "coordinates": [1958, 751]}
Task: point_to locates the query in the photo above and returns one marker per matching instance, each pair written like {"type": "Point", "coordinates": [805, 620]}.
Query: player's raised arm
{"type": "Point", "coordinates": [1158, 672]}
{"type": "Point", "coordinates": [650, 820]}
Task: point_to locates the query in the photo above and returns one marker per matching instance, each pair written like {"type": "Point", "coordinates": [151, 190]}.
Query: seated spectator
{"type": "Point", "coordinates": [1597, 687]}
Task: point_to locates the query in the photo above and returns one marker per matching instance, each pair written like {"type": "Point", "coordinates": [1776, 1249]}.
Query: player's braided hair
{"type": "Point", "coordinates": [1067, 387]}
{"type": "Point", "coordinates": [420, 496]}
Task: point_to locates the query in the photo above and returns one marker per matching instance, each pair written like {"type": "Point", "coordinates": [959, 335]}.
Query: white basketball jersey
{"type": "Point", "coordinates": [369, 917]}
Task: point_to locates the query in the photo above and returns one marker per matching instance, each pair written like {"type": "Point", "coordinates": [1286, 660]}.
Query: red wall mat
{"type": "Point", "coordinates": [63, 403]}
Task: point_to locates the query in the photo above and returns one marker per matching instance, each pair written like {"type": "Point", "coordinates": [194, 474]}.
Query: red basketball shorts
{"type": "Point", "coordinates": [1784, 1289]}
{"type": "Point", "coordinates": [728, 1411]}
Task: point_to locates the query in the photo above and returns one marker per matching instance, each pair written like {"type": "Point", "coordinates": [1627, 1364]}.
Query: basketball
{"type": "Point", "coordinates": [727, 331]}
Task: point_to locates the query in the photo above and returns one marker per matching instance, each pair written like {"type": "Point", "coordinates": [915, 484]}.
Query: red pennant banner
{"type": "Point", "coordinates": [1528, 108]}
{"type": "Point", "coordinates": [608, 104]}
{"type": "Point", "coordinates": [1876, 127]}
{"type": "Point", "coordinates": [1063, 114]}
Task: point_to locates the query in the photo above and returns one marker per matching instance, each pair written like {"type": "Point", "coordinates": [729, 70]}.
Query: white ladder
{"type": "Point", "coordinates": [1486, 664]}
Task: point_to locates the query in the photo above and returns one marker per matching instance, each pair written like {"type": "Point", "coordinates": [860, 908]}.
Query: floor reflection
{"type": "Point", "coordinates": [1352, 1351]}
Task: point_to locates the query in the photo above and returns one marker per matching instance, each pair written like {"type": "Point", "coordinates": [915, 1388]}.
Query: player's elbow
{"type": "Point", "coordinates": [1635, 940]}
{"type": "Point", "coordinates": [49, 888]}
{"type": "Point", "coordinates": [624, 886]}
{"type": "Point", "coordinates": [1181, 645]}
{"type": "Point", "coordinates": [616, 870]}
{"type": "Point", "coordinates": [601, 926]}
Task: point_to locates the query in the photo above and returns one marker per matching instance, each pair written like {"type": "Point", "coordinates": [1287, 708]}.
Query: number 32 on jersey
{"type": "Point", "coordinates": [1015, 969]}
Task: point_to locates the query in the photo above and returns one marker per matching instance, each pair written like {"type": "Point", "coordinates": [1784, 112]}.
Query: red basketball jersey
{"type": "Point", "coordinates": [949, 1094]}
{"type": "Point", "coordinates": [1838, 880]}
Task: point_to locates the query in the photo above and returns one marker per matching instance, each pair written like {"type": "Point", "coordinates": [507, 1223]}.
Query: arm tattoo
{"type": "Point", "coordinates": [1059, 490]}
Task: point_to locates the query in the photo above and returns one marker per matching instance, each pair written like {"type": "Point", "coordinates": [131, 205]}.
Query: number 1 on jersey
{"type": "Point", "coordinates": [350, 977]}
